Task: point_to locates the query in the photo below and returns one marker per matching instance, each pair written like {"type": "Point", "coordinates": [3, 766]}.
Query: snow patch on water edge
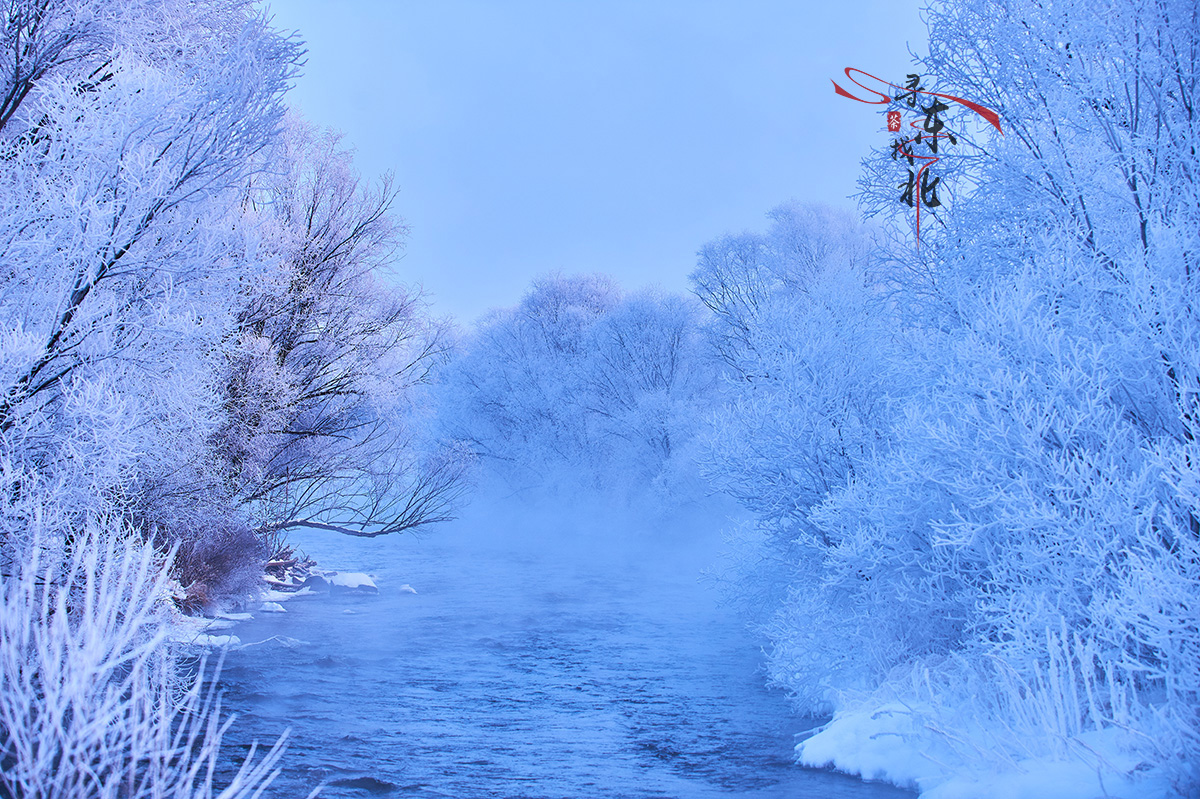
{"type": "Point", "coordinates": [915, 746]}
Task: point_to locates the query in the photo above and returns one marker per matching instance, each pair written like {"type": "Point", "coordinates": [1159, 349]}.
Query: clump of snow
{"type": "Point", "coordinates": [206, 640]}
{"type": "Point", "coordinates": [199, 630]}
{"type": "Point", "coordinates": [235, 617]}
{"type": "Point", "coordinates": [287, 642]}
{"type": "Point", "coordinates": [272, 607]}
{"type": "Point", "coordinates": [216, 641]}
{"type": "Point", "coordinates": [211, 625]}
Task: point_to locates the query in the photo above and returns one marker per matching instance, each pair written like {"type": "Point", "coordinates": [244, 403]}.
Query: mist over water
{"type": "Point", "coordinates": [571, 651]}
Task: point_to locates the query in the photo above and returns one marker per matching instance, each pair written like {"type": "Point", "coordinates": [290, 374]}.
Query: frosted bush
{"type": "Point", "coordinates": [1029, 459]}
{"type": "Point", "coordinates": [92, 703]}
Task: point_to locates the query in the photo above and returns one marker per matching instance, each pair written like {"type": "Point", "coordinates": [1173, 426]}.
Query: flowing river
{"type": "Point", "coordinates": [538, 658]}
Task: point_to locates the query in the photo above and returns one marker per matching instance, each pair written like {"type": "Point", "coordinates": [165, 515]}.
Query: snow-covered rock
{"type": "Point", "coordinates": [184, 635]}
{"type": "Point", "coordinates": [212, 625]}
{"type": "Point", "coordinates": [284, 596]}
{"type": "Point", "coordinates": [272, 607]}
{"type": "Point", "coordinates": [341, 582]}
{"type": "Point", "coordinates": [216, 641]}
{"type": "Point", "coordinates": [316, 583]}
{"type": "Point", "coordinates": [235, 617]}
{"type": "Point", "coordinates": [353, 581]}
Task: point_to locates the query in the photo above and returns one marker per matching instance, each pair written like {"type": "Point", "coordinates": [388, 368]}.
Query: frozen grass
{"type": "Point", "coordinates": [92, 699]}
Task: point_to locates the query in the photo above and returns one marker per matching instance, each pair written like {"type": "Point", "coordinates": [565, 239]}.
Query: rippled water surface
{"type": "Point", "coordinates": [538, 659]}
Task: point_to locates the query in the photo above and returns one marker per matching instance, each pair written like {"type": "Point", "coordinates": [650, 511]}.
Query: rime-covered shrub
{"type": "Point", "coordinates": [221, 561]}
{"type": "Point", "coordinates": [92, 703]}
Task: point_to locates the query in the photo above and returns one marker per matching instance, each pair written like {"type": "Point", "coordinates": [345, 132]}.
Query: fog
{"type": "Point", "coordinates": [563, 646]}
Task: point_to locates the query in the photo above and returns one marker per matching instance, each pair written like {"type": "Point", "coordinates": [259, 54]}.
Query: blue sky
{"type": "Point", "coordinates": [530, 136]}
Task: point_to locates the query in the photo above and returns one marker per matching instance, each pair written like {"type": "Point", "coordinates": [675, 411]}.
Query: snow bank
{"type": "Point", "coordinates": [876, 744]}
{"type": "Point", "coordinates": [916, 746]}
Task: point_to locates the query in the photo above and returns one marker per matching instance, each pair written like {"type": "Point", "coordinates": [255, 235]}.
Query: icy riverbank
{"type": "Point", "coordinates": [946, 755]}
{"type": "Point", "coordinates": [284, 580]}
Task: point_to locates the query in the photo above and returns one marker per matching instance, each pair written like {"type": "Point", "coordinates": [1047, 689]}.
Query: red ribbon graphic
{"type": "Point", "coordinates": [988, 114]}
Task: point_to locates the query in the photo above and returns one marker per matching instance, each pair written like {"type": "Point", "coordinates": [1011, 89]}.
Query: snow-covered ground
{"type": "Point", "coordinates": [943, 756]}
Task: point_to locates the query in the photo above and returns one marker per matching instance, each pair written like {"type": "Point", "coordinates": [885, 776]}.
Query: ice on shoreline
{"type": "Point", "coordinates": [288, 580]}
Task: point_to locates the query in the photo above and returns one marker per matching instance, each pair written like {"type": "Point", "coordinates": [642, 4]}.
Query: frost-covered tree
{"type": "Point", "coordinates": [1030, 495]}
{"type": "Point", "coordinates": [325, 357]}
{"type": "Point", "coordinates": [645, 380]}
{"type": "Point", "coordinates": [579, 380]}
{"type": "Point", "coordinates": [127, 135]}
{"type": "Point", "coordinates": [508, 394]}
{"type": "Point", "coordinates": [806, 349]}
{"type": "Point", "coordinates": [812, 367]}
{"type": "Point", "coordinates": [739, 277]}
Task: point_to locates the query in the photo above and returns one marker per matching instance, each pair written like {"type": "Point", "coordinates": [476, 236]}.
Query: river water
{"type": "Point", "coordinates": [540, 657]}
